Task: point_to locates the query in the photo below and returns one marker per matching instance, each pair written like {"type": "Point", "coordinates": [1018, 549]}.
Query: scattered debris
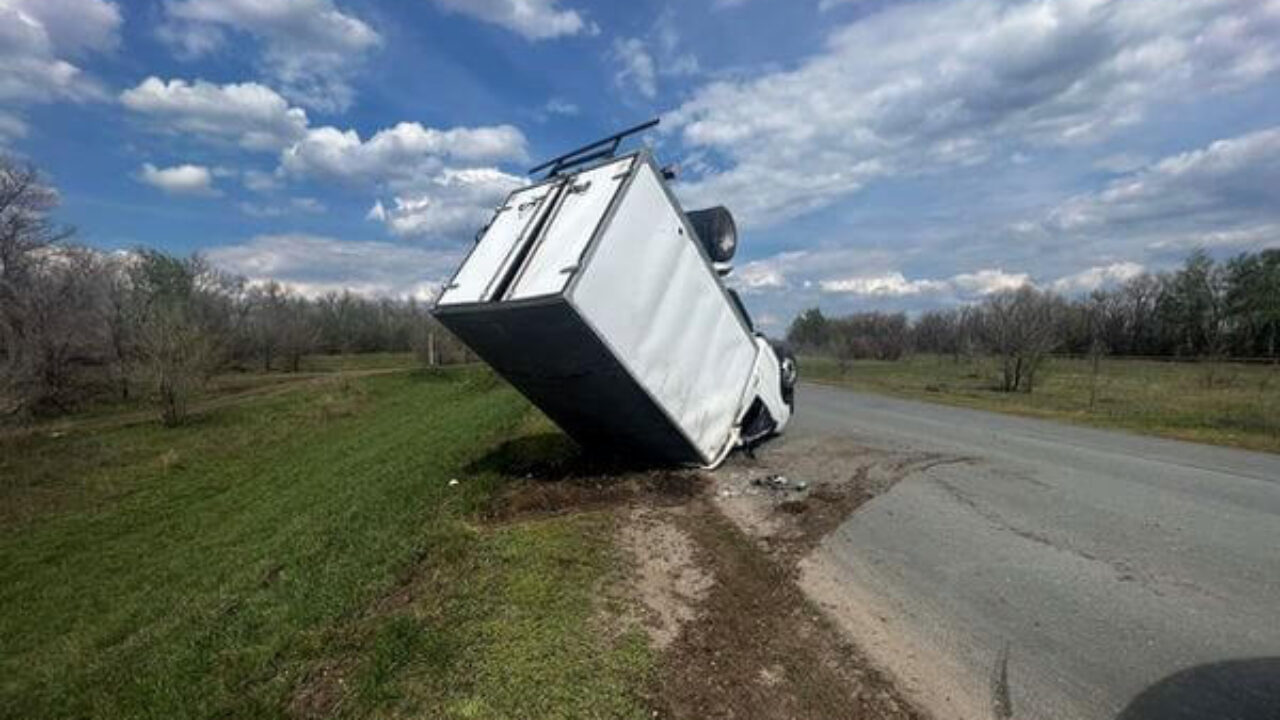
{"type": "Point", "coordinates": [778, 482]}
{"type": "Point", "coordinates": [453, 481]}
{"type": "Point", "coordinates": [798, 490]}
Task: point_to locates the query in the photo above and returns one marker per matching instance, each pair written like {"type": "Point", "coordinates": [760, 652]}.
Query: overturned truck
{"type": "Point", "coordinates": [603, 302]}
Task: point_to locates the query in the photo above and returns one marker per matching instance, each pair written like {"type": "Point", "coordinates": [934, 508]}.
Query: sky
{"type": "Point", "coordinates": [877, 155]}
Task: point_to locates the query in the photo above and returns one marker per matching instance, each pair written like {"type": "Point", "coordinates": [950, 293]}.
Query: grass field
{"type": "Point", "coordinates": [361, 361]}
{"type": "Point", "coordinates": [1220, 403]}
{"type": "Point", "coordinates": [302, 553]}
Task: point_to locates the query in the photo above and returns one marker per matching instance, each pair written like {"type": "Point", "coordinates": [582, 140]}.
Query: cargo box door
{"type": "Point", "coordinates": [557, 251]}
{"type": "Point", "coordinates": [490, 259]}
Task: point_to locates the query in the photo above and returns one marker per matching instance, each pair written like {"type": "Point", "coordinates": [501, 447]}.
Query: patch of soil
{"type": "Point", "coordinates": [531, 498]}
{"type": "Point", "coordinates": [666, 577]}
{"type": "Point", "coordinates": [714, 568]}
{"type": "Point", "coordinates": [321, 691]}
{"type": "Point", "coordinates": [794, 492]}
{"type": "Point", "coordinates": [759, 648]}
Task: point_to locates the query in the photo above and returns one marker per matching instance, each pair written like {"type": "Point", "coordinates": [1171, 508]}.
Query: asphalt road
{"type": "Point", "coordinates": [1121, 576]}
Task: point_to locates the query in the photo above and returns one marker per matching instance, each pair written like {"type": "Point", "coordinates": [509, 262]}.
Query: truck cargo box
{"type": "Point", "coordinates": [590, 293]}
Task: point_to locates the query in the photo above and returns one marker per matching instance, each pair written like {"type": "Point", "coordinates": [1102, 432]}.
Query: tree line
{"type": "Point", "coordinates": [1204, 309]}
{"type": "Point", "coordinates": [78, 324]}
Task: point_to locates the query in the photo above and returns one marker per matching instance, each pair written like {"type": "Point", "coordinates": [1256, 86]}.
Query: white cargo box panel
{"type": "Point", "coordinates": [590, 294]}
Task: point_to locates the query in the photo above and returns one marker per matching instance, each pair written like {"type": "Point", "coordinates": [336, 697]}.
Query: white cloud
{"type": "Point", "coordinates": [1228, 182]}
{"type": "Point", "coordinates": [532, 19]}
{"type": "Point", "coordinates": [451, 205]}
{"type": "Point", "coordinates": [636, 69]}
{"type": "Point", "coordinates": [1253, 237]}
{"type": "Point", "coordinates": [399, 155]}
{"type": "Point", "coordinates": [988, 281]}
{"type": "Point", "coordinates": [180, 179]}
{"type": "Point", "coordinates": [758, 275]}
{"type": "Point", "coordinates": [259, 181]}
{"type": "Point", "coordinates": [40, 38]}
{"type": "Point", "coordinates": [310, 47]}
{"type": "Point", "coordinates": [557, 108]}
{"type": "Point", "coordinates": [315, 265]}
{"type": "Point", "coordinates": [641, 61]}
{"type": "Point", "coordinates": [252, 115]}
{"type": "Point", "coordinates": [923, 87]}
{"type": "Point", "coordinates": [795, 269]}
{"type": "Point", "coordinates": [1096, 277]}
{"type": "Point", "coordinates": [893, 284]}
{"type": "Point", "coordinates": [673, 60]}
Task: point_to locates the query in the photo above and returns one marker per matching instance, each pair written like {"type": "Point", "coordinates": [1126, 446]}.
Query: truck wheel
{"type": "Point", "coordinates": [789, 371]}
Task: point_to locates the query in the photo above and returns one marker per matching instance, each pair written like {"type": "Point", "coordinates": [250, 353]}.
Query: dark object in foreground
{"type": "Point", "coordinates": [1236, 689]}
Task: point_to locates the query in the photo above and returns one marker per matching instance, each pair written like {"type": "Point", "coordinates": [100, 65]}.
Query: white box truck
{"type": "Point", "coordinates": [603, 302]}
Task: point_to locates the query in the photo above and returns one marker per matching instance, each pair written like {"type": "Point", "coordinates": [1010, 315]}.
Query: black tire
{"type": "Point", "coordinates": [789, 370]}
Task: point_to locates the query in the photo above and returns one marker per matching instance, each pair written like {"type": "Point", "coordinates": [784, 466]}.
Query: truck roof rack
{"type": "Point", "coordinates": [603, 148]}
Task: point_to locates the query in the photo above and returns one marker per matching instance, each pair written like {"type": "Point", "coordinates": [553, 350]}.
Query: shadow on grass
{"type": "Point", "coordinates": [549, 474]}
{"type": "Point", "coordinates": [554, 456]}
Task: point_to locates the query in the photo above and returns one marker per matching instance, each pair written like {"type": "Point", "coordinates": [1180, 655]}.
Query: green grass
{"type": "Point", "coordinates": [302, 553]}
{"type": "Point", "coordinates": [1220, 403]}
{"type": "Point", "coordinates": [360, 361]}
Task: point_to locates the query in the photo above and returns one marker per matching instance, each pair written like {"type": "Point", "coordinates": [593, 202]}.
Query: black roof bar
{"type": "Point", "coordinates": [594, 151]}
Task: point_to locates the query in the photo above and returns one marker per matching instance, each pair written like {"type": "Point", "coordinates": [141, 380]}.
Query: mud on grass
{"type": "Point", "coordinates": [759, 648]}
{"type": "Point", "coordinates": [736, 637]}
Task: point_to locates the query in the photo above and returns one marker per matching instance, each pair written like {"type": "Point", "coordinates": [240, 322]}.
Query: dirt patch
{"type": "Point", "coordinates": [794, 492]}
{"type": "Point", "coordinates": [321, 692]}
{"type": "Point", "coordinates": [759, 648]}
{"type": "Point", "coordinates": [666, 576]}
{"type": "Point", "coordinates": [532, 498]}
{"type": "Point", "coordinates": [714, 566]}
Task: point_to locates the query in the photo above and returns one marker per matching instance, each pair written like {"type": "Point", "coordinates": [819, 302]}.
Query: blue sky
{"type": "Point", "coordinates": [877, 154]}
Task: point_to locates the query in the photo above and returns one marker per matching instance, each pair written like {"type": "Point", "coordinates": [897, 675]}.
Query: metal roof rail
{"type": "Point", "coordinates": [592, 151]}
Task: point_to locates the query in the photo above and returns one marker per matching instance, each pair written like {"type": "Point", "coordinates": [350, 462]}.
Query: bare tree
{"type": "Point", "coordinates": [266, 304]}
{"type": "Point", "coordinates": [175, 341]}
{"type": "Point", "coordinates": [43, 290]}
{"type": "Point", "coordinates": [870, 335]}
{"type": "Point", "coordinates": [935, 332]}
{"type": "Point", "coordinates": [178, 356]}
{"type": "Point", "coordinates": [120, 317]}
{"type": "Point", "coordinates": [296, 335]}
{"type": "Point", "coordinates": [1019, 327]}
